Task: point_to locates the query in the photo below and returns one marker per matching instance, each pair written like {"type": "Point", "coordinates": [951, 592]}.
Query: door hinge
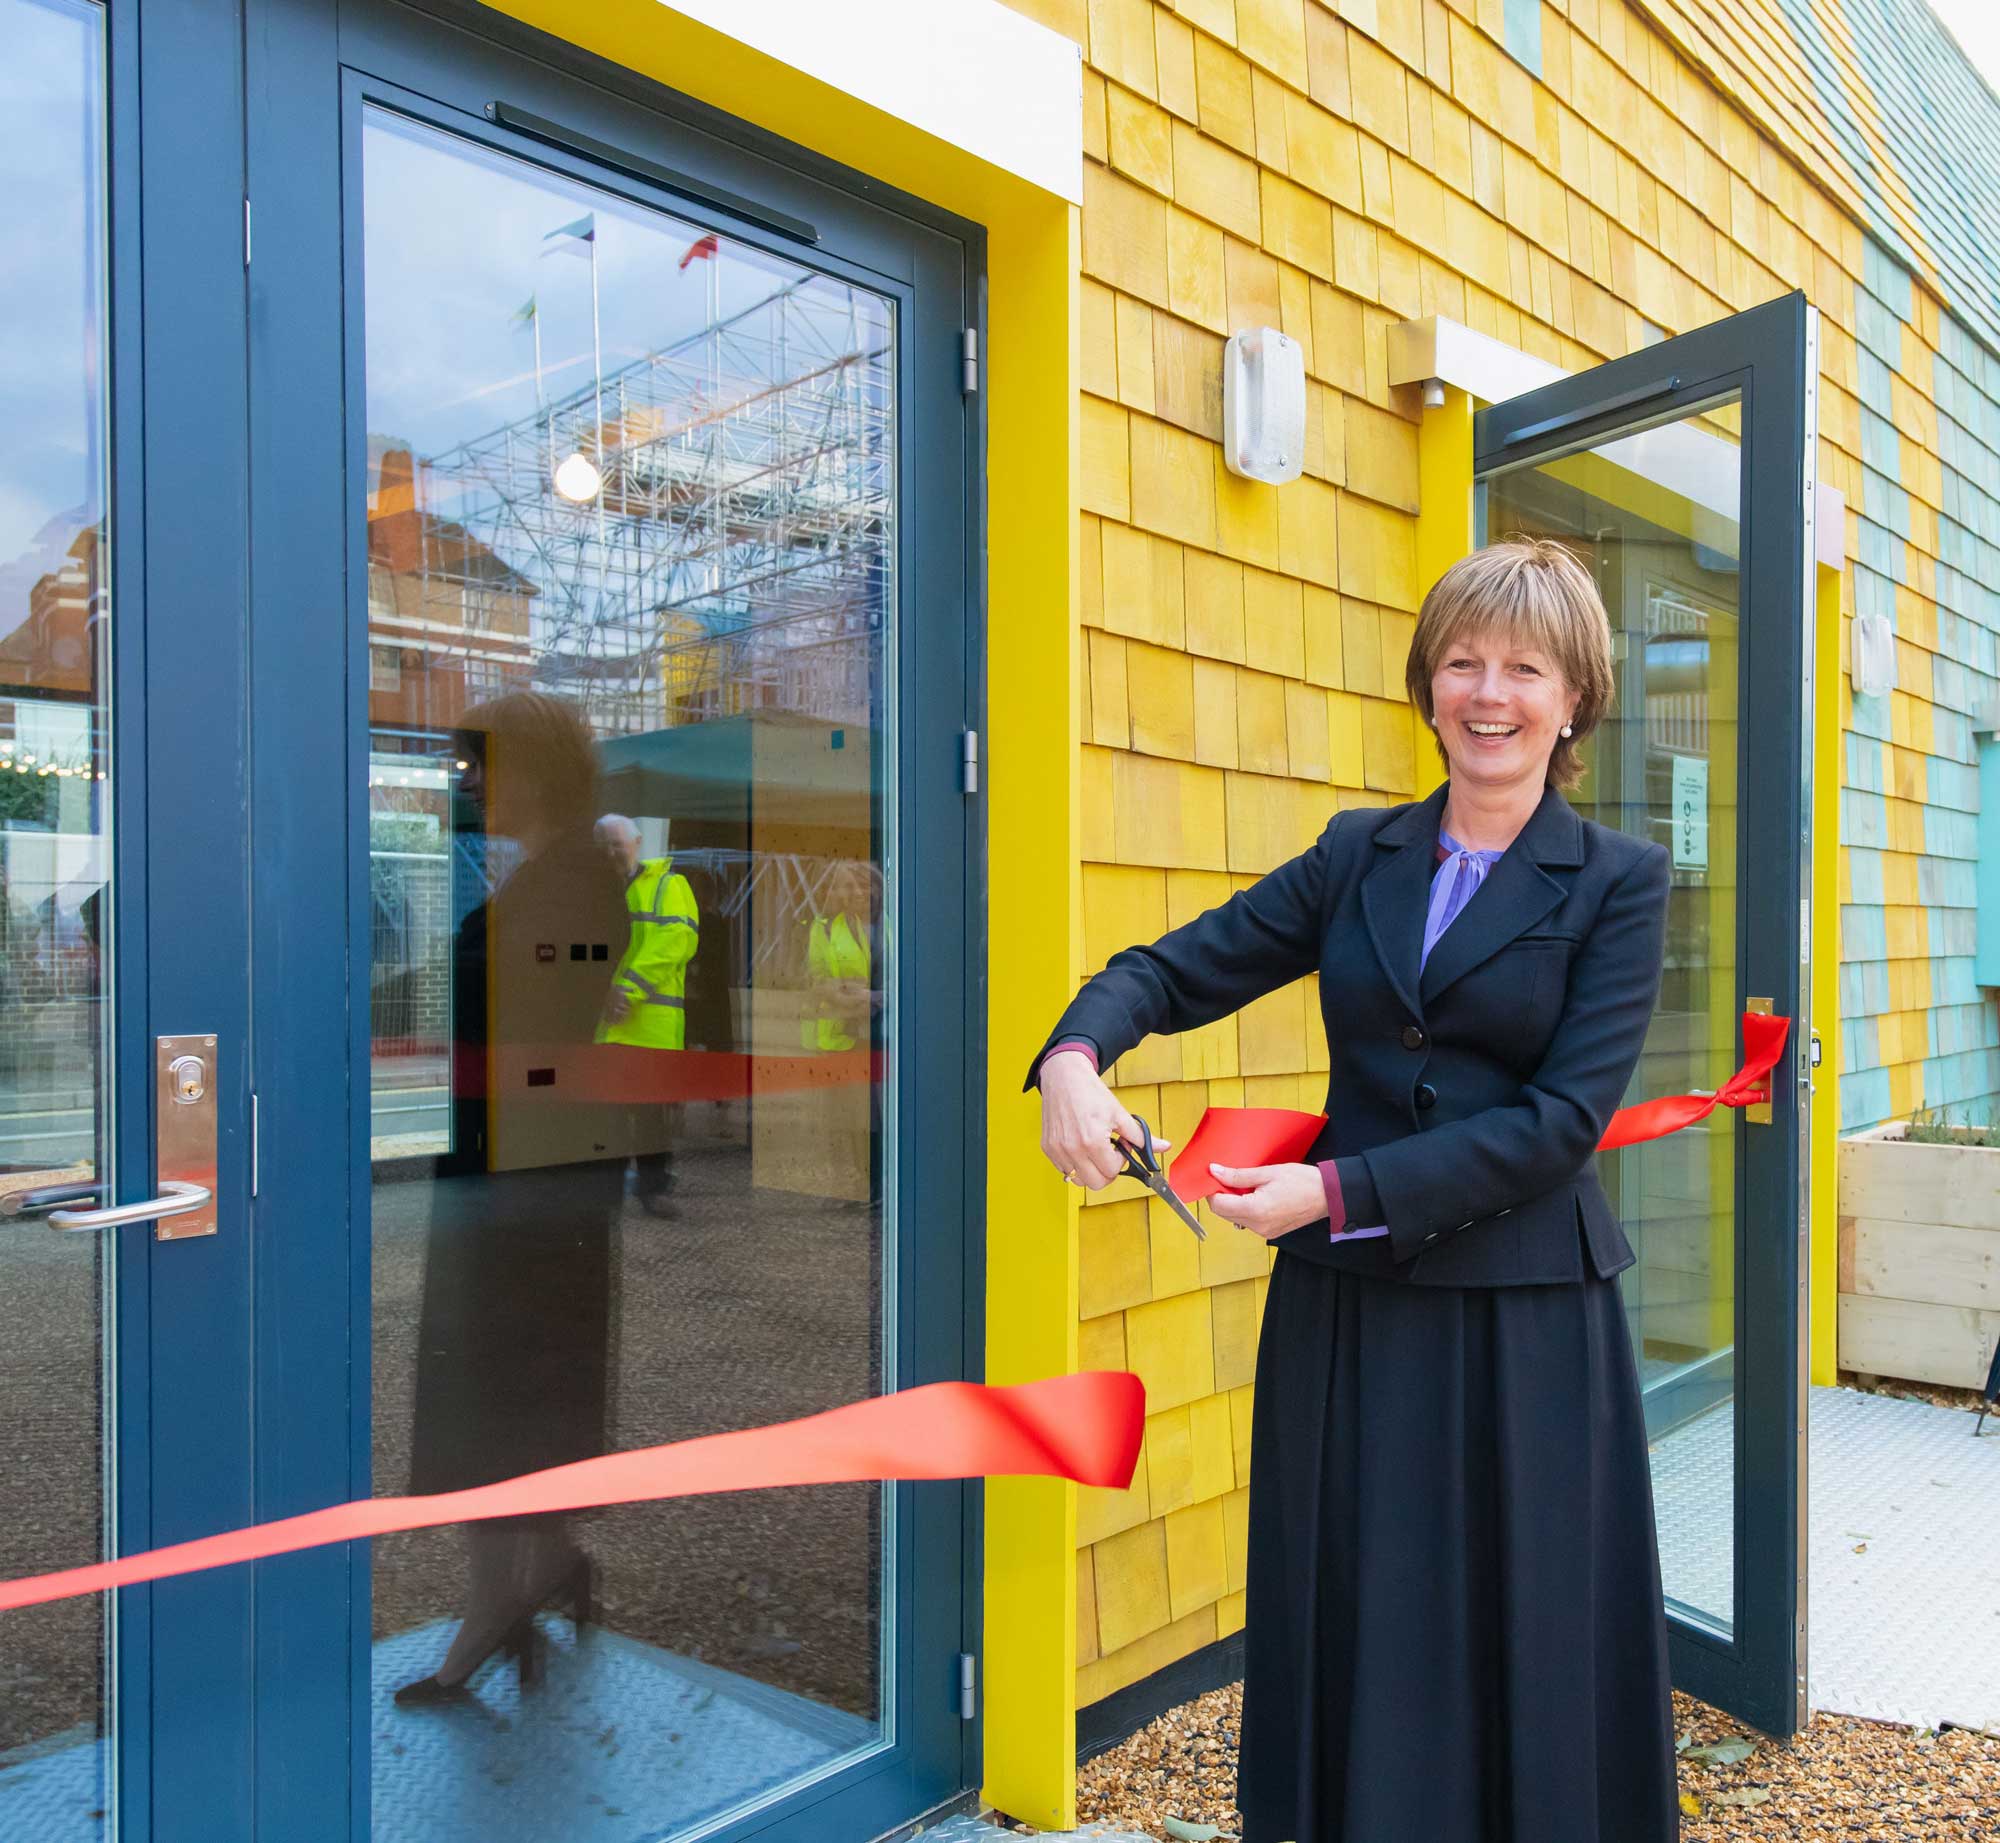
{"type": "Point", "coordinates": [968, 1700]}
{"type": "Point", "coordinates": [968, 352]}
{"type": "Point", "coordinates": [968, 761]}
{"type": "Point", "coordinates": [246, 233]}
{"type": "Point", "coordinates": [253, 1145]}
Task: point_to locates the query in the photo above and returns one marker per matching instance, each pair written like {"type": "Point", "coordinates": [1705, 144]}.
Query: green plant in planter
{"type": "Point", "coordinates": [1928, 1127]}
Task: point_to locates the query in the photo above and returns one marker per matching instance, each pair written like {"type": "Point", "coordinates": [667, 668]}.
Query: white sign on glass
{"type": "Point", "coordinates": [1690, 813]}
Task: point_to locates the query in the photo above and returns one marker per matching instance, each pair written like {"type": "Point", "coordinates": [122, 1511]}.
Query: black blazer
{"type": "Point", "coordinates": [1464, 1106]}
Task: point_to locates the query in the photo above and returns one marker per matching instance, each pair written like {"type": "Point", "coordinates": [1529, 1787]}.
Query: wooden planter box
{"type": "Point", "coordinates": [1919, 1258]}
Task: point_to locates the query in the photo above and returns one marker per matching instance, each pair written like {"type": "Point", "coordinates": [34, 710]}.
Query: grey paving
{"type": "Point", "coordinates": [1903, 1555]}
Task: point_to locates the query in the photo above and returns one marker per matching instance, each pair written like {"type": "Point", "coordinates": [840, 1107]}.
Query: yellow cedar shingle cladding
{"type": "Point", "coordinates": [1330, 169]}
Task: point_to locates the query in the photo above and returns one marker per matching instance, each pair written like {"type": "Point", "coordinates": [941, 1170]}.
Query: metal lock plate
{"type": "Point", "coordinates": [1758, 1113]}
{"type": "Point", "coordinates": [185, 1088]}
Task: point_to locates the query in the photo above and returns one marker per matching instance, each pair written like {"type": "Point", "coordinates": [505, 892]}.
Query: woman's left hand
{"type": "Point", "coordinates": [1276, 1199]}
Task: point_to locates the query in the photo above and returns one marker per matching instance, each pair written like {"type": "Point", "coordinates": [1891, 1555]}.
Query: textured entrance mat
{"type": "Point", "coordinates": [620, 1741]}
{"type": "Point", "coordinates": [1693, 1479]}
{"type": "Point", "coordinates": [55, 1793]}
{"type": "Point", "coordinates": [1903, 1612]}
{"type": "Point", "coordinates": [1904, 1620]}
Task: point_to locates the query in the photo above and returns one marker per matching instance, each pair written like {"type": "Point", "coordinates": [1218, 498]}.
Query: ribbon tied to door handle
{"type": "Point", "coordinates": [1763, 1043]}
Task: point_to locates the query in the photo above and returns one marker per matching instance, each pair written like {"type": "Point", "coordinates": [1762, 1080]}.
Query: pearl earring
{"type": "Point", "coordinates": [1565, 729]}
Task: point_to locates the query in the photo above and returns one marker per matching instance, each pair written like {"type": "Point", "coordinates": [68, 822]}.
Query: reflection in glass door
{"type": "Point", "coordinates": [55, 1710]}
{"type": "Point", "coordinates": [631, 617]}
{"type": "Point", "coordinates": [1682, 473]}
{"type": "Point", "coordinates": [1655, 516]}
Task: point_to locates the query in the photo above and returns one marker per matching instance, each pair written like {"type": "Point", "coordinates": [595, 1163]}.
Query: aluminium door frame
{"type": "Point", "coordinates": [1769, 353]}
{"type": "Point", "coordinates": [178, 1663]}
{"type": "Point", "coordinates": [311, 64]}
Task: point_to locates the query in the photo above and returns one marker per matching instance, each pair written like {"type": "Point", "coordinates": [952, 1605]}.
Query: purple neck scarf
{"type": "Point", "coordinates": [1460, 873]}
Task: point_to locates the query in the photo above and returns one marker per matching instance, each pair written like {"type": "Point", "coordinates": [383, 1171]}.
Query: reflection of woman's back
{"type": "Point", "coordinates": [513, 1367]}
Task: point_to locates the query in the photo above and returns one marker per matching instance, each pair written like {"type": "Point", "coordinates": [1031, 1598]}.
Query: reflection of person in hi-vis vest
{"type": "Point", "coordinates": [646, 1007]}
{"type": "Point", "coordinates": [838, 961]}
{"type": "Point", "coordinates": [842, 1010]}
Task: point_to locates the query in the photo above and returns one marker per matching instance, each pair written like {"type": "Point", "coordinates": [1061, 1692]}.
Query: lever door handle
{"type": "Point", "coordinates": [177, 1199]}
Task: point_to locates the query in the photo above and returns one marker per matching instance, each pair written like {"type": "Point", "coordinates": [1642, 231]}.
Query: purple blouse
{"type": "Point", "coordinates": [1459, 873]}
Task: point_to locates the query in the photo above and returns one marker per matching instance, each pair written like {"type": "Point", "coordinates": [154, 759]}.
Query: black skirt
{"type": "Point", "coordinates": [1455, 1631]}
{"type": "Point", "coordinates": [514, 1352]}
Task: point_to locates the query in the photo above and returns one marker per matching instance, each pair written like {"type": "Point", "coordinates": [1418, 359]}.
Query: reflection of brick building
{"type": "Point", "coordinates": [51, 861]}
{"type": "Point", "coordinates": [48, 653]}
{"type": "Point", "coordinates": [448, 619]}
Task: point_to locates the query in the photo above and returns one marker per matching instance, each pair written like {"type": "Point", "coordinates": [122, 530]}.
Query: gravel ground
{"type": "Point", "coordinates": [1939, 1396]}
{"type": "Point", "coordinates": [1839, 1780]}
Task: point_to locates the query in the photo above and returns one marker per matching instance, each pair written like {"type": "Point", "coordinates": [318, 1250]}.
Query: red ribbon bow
{"type": "Point", "coordinates": [1763, 1043]}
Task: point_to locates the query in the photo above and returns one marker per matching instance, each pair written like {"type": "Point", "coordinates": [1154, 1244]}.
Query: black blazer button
{"type": "Point", "coordinates": [1413, 1038]}
{"type": "Point", "coordinates": [1427, 1096]}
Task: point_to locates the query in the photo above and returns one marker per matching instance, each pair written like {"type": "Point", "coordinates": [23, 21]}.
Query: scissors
{"type": "Point", "coordinates": [1144, 1164]}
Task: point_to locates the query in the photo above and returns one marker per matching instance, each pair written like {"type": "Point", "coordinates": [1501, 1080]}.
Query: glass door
{"type": "Point", "coordinates": [56, 1050]}
{"type": "Point", "coordinates": [603, 743]}
{"type": "Point", "coordinates": [124, 1378]}
{"type": "Point", "coordinates": [1682, 476]}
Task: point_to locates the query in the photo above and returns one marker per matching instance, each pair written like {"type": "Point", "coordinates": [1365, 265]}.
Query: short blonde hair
{"type": "Point", "coordinates": [545, 748]}
{"type": "Point", "coordinates": [1533, 591]}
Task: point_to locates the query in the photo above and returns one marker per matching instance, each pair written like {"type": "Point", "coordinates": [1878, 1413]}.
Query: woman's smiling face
{"type": "Point", "coordinates": [1500, 705]}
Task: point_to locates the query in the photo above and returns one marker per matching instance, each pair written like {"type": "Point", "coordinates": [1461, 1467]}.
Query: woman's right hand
{"type": "Point", "coordinates": [1080, 1116]}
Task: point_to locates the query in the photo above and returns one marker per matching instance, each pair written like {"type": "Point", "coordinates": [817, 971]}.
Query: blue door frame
{"type": "Point", "coordinates": [182, 1352]}
{"type": "Point", "coordinates": [310, 67]}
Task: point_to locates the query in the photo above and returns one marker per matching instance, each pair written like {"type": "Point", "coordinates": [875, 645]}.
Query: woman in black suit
{"type": "Point", "coordinates": [515, 1344]}
{"type": "Point", "coordinates": [1455, 1631]}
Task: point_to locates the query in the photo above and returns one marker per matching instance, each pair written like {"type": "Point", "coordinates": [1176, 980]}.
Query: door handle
{"type": "Point", "coordinates": [178, 1199]}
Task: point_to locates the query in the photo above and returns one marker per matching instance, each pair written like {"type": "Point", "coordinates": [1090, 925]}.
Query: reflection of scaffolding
{"type": "Point", "coordinates": [737, 554]}
{"type": "Point", "coordinates": [1676, 667]}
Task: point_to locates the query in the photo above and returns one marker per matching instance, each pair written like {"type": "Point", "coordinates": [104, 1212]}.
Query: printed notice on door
{"type": "Point", "coordinates": [1690, 813]}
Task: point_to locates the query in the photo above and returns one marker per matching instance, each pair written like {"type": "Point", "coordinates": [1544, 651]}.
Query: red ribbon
{"type": "Point", "coordinates": [1240, 1137]}
{"type": "Point", "coordinates": [613, 1074]}
{"type": "Point", "coordinates": [1763, 1043]}
{"type": "Point", "coordinates": [1085, 1427]}
{"type": "Point", "coordinates": [1245, 1137]}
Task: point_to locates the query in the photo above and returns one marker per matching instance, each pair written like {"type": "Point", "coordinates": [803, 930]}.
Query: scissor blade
{"type": "Point", "coordinates": [1165, 1192]}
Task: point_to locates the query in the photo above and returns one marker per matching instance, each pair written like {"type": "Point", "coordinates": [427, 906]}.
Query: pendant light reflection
{"type": "Point", "coordinates": [577, 480]}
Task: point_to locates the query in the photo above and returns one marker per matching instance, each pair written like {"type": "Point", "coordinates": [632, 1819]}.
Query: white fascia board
{"type": "Point", "coordinates": [1685, 460]}
{"type": "Point", "coordinates": [1485, 368]}
{"type": "Point", "coordinates": [974, 73]}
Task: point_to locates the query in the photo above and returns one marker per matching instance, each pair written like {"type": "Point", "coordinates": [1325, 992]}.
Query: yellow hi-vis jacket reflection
{"type": "Point", "coordinates": [834, 951]}
{"type": "Point", "coordinates": [666, 929]}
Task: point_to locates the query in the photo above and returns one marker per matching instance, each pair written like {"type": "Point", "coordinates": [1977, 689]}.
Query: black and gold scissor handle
{"type": "Point", "coordinates": [1143, 1163]}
